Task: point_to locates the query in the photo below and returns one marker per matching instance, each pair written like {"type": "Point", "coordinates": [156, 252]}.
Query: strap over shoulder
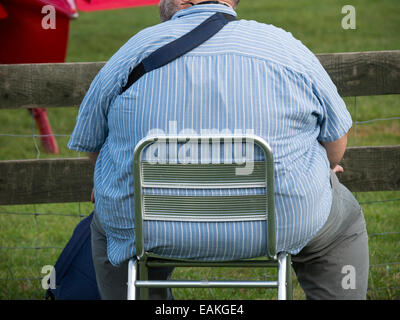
{"type": "Point", "coordinates": [179, 47]}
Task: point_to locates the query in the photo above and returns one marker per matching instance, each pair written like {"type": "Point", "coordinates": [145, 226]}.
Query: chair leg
{"type": "Point", "coordinates": [143, 275]}
{"type": "Point", "coordinates": [132, 276]}
{"type": "Point", "coordinates": [289, 279]}
{"type": "Point", "coordinates": [282, 276]}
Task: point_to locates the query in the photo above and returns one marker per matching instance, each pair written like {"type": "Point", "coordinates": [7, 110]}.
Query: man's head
{"type": "Point", "coordinates": [169, 7]}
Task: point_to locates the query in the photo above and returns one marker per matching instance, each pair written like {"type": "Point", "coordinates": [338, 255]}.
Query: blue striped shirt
{"type": "Point", "coordinates": [249, 76]}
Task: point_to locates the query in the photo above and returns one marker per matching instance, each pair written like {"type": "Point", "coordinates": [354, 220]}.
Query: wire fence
{"type": "Point", "coordinates": [387, 267]}
{"type": "Point", "coordinates": [390, 265]}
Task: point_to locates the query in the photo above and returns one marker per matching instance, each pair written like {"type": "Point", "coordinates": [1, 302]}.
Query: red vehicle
{"type": "Point", "coordinates": [94, 5]}
{"type": "Point", "coordinates": [36, 31]}
{"type": "Point", "coordinates": [27, 37]}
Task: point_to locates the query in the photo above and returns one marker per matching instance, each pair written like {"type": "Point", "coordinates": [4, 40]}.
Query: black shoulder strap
{"type": "Point", "coordinates": [179, 47]}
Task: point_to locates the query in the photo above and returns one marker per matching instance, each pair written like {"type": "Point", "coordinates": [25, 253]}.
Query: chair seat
{"type": "Point", "coordinates": [206, 241]}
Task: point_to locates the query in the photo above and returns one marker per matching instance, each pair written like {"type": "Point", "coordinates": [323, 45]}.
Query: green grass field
{"type": "Point", "coordinates": [96, 36]}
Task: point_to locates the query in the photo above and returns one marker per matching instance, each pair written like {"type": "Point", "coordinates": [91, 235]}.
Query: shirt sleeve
{"type": "Point", "coordinates": [91, 127]}
{"type": "Point", "coordinates": [334, 118]}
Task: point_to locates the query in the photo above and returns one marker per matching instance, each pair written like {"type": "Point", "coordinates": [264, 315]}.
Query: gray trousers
{"type": "Point", "coordinates": [112, 281]}
{"type": "Point", "coordinates": [333, 265]}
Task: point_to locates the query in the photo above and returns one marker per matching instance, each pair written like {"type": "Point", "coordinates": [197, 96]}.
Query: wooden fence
{"type": "Point", "coordinates": [65, 84]}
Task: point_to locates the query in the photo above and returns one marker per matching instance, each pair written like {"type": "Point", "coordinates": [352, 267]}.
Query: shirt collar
{"type": "Point", "coordinates": [204, 8]}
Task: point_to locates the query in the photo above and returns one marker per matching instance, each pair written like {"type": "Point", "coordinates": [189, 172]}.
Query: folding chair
{"type": "Point", "coordinates": [213, 209]}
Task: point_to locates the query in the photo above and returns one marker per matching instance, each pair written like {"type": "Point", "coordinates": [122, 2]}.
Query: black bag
{"type": "Point", "coordinates": [74, 271]}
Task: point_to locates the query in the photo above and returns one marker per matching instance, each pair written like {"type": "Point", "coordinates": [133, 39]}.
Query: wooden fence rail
{"type": "Point", "coordinates": [65, 84]}
{"type": "Point", "coordinates": [71, 180]}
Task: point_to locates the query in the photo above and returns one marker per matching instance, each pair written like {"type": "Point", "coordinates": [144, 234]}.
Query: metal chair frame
{"type": "Point", "coordinates": [138, 266]}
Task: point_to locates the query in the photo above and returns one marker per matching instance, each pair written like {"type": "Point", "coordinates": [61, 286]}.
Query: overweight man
{"type": "Point", "coordinates": [248, 76]}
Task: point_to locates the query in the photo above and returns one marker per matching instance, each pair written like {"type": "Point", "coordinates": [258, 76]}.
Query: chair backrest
{"type": "Point", "coordinates": [180, 180]}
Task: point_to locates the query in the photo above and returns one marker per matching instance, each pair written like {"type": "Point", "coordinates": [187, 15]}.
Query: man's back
{"type": "Point", "coordinates": [249, 76]}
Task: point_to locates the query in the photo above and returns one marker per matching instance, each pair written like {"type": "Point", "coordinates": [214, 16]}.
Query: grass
{"type": "Point", "coordinates": [97, 36]}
